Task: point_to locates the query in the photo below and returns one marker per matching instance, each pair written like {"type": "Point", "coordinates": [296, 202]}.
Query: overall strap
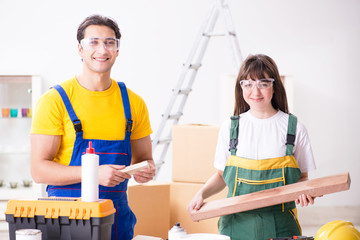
{"type": "Point", "coordinates": [290, 139]}
{"type": "Point", "coordinates": [126, 104]}
{"type": "Point", "coordinates": [234, 133]}
{"type": "Point", "coordinates": [76, 122]}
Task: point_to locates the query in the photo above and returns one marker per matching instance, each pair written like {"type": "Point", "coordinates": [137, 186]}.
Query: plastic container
{"type": "Point", "coordinates": [28, 234]}
{"type": "Point", "coordinates": [90, 175]}
{"type": "Point", "coordinates": [5, 112]}
{"type": "Point", "coordinates": [62, 218]}
{"type": "Point", "coordinates": [13, 112]}
{"type": "Point", "coordinates": [24, 112]}
{"type": "Point", "coordinates": [176, 232]}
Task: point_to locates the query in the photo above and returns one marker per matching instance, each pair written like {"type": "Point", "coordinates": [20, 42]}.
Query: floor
{"type": "Point", "coordinates": [4, 235]}
{"type": "Point", "coordinates": [310, 218]}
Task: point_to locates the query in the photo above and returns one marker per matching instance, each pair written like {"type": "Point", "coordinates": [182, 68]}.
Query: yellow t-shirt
{"type": "Point", "coordinates": [101, 114]}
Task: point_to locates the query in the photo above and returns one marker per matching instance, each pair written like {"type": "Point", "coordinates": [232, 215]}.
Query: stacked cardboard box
{"type": "Point", "coordinates": [180, 196]}
{"type": "Point", "coordinates": [194, 148]}
{"type": "Point", "coordinates": [193, 151]}
{"type": "Point", "coordinates": [158, 206]}
{"type": "Point", "coordinates": [150, 203]}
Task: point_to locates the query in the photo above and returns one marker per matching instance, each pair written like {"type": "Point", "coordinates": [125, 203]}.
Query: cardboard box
{"type": "Point", "coordinates": [194, 147]}
{"type": "Point", "coordinates": [150, 203]}
{"type": "Point", "coordinates": [180, 196]}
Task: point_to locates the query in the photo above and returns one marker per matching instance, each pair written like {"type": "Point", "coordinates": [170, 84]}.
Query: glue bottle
{"type": "Point", "coordinates": [90, 175]}
{"type": "Point", "coordinates": [176, 232]}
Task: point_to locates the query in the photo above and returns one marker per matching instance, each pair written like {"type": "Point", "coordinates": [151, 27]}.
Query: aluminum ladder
{"type": "Point", "coordinates": [189, 72]}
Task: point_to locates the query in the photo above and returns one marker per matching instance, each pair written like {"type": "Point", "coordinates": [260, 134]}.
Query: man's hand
{"type": "Point", "coordinates": [111, 175]}
{"type": "Point", "coordinates": [145, 175]}
{"type": "Point", "coordinates": [142, 151]}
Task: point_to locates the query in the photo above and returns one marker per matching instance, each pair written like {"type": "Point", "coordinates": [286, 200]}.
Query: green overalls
{"type": "Point", "coordinates": [243, 176]}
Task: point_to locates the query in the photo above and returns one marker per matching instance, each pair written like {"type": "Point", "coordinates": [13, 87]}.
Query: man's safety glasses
{"type": "Point", "coordinates": [110, 44]}
{"type": "Point", "coordinates": [260, 83]}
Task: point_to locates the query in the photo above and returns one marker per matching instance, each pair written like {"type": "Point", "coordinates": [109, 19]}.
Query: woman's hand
{"type": "Point", "coordinates": [212, 186]}
{"type": "Point", "coordinates": [195, 203]}
{"type": "Point", "coordinates": [304, 200]}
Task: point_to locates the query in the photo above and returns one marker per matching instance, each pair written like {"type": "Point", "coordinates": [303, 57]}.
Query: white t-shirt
{"type": "Point", "coordinates": [264, 139]}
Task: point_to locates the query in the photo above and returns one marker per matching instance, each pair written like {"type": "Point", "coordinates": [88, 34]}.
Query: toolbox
{"type": "Point", "coordinates": [62, 218]}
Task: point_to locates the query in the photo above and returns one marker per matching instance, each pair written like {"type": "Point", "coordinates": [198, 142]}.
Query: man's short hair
{"type": "Point", "coordinates": [97, 20]}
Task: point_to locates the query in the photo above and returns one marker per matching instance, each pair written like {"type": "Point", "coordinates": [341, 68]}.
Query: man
{"type": "Point", "coordinates": [93, 107]}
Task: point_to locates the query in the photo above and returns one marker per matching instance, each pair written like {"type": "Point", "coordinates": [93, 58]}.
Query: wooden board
{"type": "Point", "coordinates": [143, 237]}
{"type": "Point", "coordinates": [315, 188]}
{"type": "Point", "coordinates": [132, 169]}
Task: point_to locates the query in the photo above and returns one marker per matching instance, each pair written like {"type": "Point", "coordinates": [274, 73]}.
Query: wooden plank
{"type": "Point", "coordinates": [143, 237]}
{"type": "Point", "coordinates": [315, 188]}
{"type": "Point", "coordinates": [132, 169]}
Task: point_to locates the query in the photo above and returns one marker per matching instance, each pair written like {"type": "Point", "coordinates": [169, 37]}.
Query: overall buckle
{"type": "Point", "coordinates": [290, 139]}
{"type": "Point", "coordinates": [129, 124]}
{"type": "Point", "coordinates": [77, 125]}
{"type": "Point", "coordinates": [233, 144]}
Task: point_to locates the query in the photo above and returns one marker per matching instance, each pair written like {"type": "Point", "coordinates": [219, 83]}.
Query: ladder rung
{"type": "Point", "coordinates": [175, 116]}
{"type": "Point", "coordinates": [185, 91]}
{"type": "Point", "coordinates": [164, 141]}
{"type": "Point", "coordinates": [213, 34]}
{"type": "Point", "coordinates": [195, 66]}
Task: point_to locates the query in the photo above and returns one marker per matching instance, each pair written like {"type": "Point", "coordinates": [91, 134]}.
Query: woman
{"type": "Point", "coordinates": [264, 141]}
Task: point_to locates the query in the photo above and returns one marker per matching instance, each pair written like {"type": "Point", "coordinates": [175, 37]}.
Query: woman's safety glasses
{"type": "Point", "coordinates": [110, 44]}
{"type": "Point", "coordinates": [260, 83]}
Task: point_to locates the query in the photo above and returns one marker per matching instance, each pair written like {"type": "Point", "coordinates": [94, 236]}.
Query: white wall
{"type": "Point", "coordinates": [316, 42]}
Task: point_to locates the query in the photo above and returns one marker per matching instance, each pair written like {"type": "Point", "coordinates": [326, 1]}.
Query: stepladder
{"type": "Point", "coordinates": [174, 110]}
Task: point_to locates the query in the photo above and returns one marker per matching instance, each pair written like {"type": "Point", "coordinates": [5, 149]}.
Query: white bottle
{"type": "Point", "coordinates": [176, 232]}
{"type": "Point", "coordinates": [90, 175]}
{"type": "Point", "coordinates": [28, 234]}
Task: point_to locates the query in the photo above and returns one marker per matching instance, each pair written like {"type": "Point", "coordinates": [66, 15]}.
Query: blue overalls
{"type": "Point", "coordinates": [110, 152]}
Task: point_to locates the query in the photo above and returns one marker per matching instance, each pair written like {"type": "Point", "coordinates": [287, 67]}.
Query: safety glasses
{"type": "Point", "coordinates": [96, 43]}
{"type": "Point", "coordinates": [260, 83]}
